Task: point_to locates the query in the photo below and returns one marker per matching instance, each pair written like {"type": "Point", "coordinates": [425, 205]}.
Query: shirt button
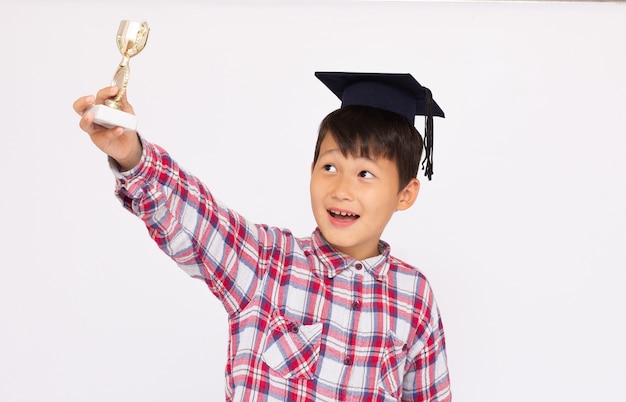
{"type": "Point", "coordinates": [347, 361]}
{"type": "Point", "coordinates": [358, 266]}
{"type": "Point", "coordinates": [356, 304]}
{"type": "Point", "coordinates": [293, 328]}
{"type": "Point", "coordinates": [404, 347]}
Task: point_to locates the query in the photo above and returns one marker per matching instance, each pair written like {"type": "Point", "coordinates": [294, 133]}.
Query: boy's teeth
{"type": "Point", "coordinates": [342, 213]}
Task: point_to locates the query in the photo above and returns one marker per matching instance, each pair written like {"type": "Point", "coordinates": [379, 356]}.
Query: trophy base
{"type": "Point", "coordinates": [109, 118]}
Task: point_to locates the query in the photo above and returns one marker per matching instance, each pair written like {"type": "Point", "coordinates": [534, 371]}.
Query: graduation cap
{"type": "Point", "coordinates": [398, 93]}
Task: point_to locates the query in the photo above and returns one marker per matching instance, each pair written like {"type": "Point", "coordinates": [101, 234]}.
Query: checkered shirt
{"type": "Point", "coordinates": [307, 323]}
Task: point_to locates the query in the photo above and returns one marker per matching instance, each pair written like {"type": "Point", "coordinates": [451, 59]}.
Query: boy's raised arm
{"type": "Point", "coordinates": [123, 146]}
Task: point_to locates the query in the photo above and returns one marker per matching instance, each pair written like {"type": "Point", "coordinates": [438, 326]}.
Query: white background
{"type": "Point", "coordinates": [522, 231]}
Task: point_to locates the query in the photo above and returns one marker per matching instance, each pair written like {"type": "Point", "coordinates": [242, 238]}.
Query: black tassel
{"type": "Point", "coordinates": [428, 136]}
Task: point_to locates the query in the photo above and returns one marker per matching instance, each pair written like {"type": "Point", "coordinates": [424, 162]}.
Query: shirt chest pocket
{"type": "Point", "coordinates": [292, 349]}
{"type": "Point", "coordinates": [392, 365]}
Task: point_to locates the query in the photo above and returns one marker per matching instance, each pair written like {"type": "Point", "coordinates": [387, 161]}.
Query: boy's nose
{"type": "Point", "coordinates": [344, 188]}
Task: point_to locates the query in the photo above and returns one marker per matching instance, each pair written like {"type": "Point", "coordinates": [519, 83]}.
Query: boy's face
{"type": "Point", "coordinates": [353, 198]}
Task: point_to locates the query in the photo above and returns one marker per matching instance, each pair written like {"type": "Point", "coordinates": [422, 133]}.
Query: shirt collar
{"type": "Point", "coordinates": [332, 262]}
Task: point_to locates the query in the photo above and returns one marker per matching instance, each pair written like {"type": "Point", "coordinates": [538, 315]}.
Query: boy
{"type": "Point", "coordinates": [330, 317]}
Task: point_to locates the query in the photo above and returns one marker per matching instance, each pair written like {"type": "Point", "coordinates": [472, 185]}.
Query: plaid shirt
{"type": "Point", "coordinates": [306, 322]}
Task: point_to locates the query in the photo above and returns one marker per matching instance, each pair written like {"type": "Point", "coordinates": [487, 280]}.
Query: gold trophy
{"type": "Point", "coordinates": [131, 39]}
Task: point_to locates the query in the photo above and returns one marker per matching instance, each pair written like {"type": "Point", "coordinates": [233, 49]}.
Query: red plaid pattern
{"type": "Point", "coordinates": [306, 323]}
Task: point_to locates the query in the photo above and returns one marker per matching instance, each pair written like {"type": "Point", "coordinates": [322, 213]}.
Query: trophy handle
{"type": "Point", "coordinates": [120, 80]}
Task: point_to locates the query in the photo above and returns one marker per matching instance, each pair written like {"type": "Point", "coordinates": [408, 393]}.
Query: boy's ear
{"type": "Point", "coordinates": [408, 195]}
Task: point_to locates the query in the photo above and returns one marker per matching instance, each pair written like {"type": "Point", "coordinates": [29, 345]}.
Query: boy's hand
{"type": "Point", "coordinates": [123, 146]}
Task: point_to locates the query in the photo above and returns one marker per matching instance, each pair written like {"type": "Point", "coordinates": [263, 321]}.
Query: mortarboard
{"type": "Point", "coordinates": [398, 93]}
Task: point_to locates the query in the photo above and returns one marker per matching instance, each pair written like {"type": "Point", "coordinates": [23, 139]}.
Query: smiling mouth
{"type": "Point", "coordinates": [343, 215]}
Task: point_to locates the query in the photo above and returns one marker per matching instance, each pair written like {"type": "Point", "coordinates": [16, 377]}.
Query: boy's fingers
{"type": "Point", "coordinates": [87, 125]}
{"type": "Point", "coordinates": [127, 106]}
{"type": "Point", "coordinates": [86, 122]}
{"type": "Point", "coordinates": [105, 93]}
{"type": "Point", "coordinates": [82, 104]}
{"type": "Point", "coordinates": [101, 137]}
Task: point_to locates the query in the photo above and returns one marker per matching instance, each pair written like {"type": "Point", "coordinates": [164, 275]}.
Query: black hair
{"type": "Point", "coordinates": [374, 133]}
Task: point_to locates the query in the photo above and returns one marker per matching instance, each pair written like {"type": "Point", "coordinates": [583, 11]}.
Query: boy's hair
{"type": "Point", "coordinates": [374, 133]}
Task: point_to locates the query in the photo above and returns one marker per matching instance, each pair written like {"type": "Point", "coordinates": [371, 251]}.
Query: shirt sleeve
{"type": "Point", "coordinates": [207, 240]}
{"type": "Point", "coordinates": [427, 378]}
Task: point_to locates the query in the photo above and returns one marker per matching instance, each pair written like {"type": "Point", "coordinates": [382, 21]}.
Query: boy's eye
{"type": "Point", "coordinates": [365, 174]}
{"type": "Point", "coordinates": [329, 168]}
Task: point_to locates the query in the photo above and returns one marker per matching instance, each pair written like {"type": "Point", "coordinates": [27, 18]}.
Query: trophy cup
{"type": "Point", "coordinates": [131, 39]}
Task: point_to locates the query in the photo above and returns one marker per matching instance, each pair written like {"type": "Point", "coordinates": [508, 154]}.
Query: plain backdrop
{"type": "Point", "coordinates": [522, 231]}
